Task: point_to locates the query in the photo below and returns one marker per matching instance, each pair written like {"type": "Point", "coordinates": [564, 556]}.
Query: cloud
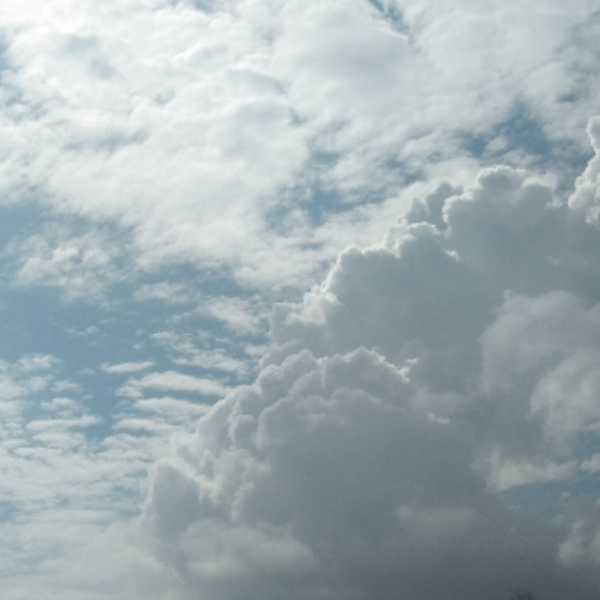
{"type": "Point", "coordinates": [163, 416]}
{"type": "Point", "coordinates": [585, 198]}
{"type": "Point", "coordinates": [80, 266]}
{"type": "Point", "coordinates": [397, 406]}
{"type": "Point", "coordinates": [237, 314]}
{"type": "Point", "coordinates": [592, 464]}
{"type": "Point", "coordinates": [326, 463]}
{"type": "Point", "coordinates": [187, 350]}
{"type": "Point", "coordinates": [456, 360]}
{"type": "Point", "coordinates": [167, 292]}
{"type": "Point", "coordinates": [511, 474]}
{"type": "Point", "coordinates": [69, 494]}
{"type": "Point", "coordinates": [172, 380]}
{"type": "Point", "coordinates": [219, 137]}
{"type": "Point", "coordinates": [126, 368]}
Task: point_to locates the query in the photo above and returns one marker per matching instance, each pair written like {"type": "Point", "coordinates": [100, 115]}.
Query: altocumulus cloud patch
{"type": "Point", "coordinates": [459, 357]}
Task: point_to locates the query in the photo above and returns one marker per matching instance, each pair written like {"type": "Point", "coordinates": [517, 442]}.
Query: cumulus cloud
{"type": "Point", "coordinates": [457, 359]}
{"type": "Point", "coordinates": [210, 136]}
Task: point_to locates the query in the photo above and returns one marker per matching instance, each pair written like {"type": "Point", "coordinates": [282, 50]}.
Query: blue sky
{"type": "Point", "coordinates": [299, 299]}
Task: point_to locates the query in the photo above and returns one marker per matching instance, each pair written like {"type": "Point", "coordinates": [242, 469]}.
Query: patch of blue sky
{"type": "Point", "coordinates": [392, 14]}
{"type": "Point", "coordinates": [317, 202]}
{"type": "Point", "coordinates": [519, 140]}
{"type": "Point", "coordinates": [85, 337]}
{"type": "Point", "coordinates": [550, 501]}
{"type": "Point", "coordinates": [165, 329]}
{"type": "Point", "coordinates": [402, 173]}
{"type": "Point", "coordinates": [8, 510]}
{"type": "Point", "coordinates": [20, 219]}
{"type": "Point", "coordinates": [319, 197]}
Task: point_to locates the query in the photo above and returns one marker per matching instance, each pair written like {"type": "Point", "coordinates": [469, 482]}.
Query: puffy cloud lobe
{"type": "Point", "coordinates": [457, 358]}
{"type": "Point", "coordinates": [583, 542]}
{"type": "Point", "coordinates": [586, 198]}
{"type": "Point", "coordinates": [555, 361]}
{"type": "Point", "coordinates": [323, 481]}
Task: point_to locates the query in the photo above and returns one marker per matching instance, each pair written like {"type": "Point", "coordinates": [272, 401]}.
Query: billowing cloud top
{"type": "Point", "coordinates": [459, 358]}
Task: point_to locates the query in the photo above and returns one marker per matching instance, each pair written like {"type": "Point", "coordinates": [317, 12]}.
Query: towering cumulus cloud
{"type": "Point", "coordinates": [398, 404]}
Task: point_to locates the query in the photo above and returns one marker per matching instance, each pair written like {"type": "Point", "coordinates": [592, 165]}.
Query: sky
{"type": "Point", "coordinates": [299, 299]}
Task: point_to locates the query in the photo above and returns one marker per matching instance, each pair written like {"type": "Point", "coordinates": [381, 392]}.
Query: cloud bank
{"type": "Point", "coordinates": [459, 357]}
{"type": "Point", "coordinates": [213, 134]}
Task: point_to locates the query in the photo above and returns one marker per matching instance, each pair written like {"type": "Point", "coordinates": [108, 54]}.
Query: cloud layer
{"type": "Point", "coordinates": [214, 135]}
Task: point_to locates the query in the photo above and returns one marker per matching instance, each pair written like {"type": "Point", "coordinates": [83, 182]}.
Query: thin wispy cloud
{"type": "Point", "coordinates": [128, 367]}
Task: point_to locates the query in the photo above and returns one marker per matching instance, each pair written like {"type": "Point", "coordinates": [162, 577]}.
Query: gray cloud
{"type": "Point", "coordinates": [459, 357]}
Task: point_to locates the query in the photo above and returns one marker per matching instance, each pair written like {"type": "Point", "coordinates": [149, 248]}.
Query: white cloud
{"type": "Point", "coordinates": [189, 127]}
{"type": "Point", "coordinates": [82, 267]}
{"type": "Point", "coordinates": [162, 416]}
{"type": "Point", "coordinates": [239, 315]}
{"type": "Point", "coordinates": [167, 292]}
{"type": "Point", "coordinates": [215, 359]}
{"type": "Point", "coordinates": [68, 497]}
{"type": "Point", "coordinates": [585, 198]}
{"type": "Point", "coordinates": [583, 543]}
{"type": "Point", "coordinates": [172, 380]}
{"type": "Point", "coordinates": [592, 464]}
{"type": "Point", "coordinates": [170, 407]}
{"type": "Point", "coordinates": [424, 376]}
{"type": "Point", "coordinates": [128, 367]}
{"type": "Point", "coordinates": [509, 474]}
